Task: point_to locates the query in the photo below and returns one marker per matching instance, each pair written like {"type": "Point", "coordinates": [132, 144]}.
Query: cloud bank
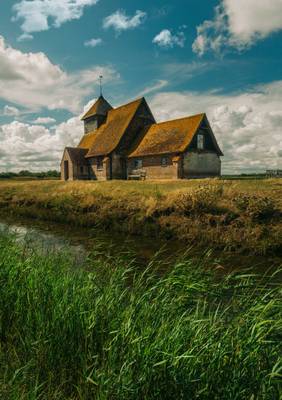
{"type": "Point", "coordinates": [44, 84]}
{"type": "Point", "coordinates": [247, 126]}
{"type": "Point", "coordinates": [35, 147]}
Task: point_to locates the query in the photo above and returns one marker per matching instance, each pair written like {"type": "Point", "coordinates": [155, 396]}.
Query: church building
{"type": "Point", "coordinates": [127, 143]}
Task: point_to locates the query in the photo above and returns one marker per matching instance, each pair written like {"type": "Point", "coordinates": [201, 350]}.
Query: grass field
{"type": "Point", "coordinates": [238, 215]}
{"type": "Point", "coordinates": [116, 333]}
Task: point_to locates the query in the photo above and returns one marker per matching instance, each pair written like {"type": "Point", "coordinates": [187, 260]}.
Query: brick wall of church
{"type": "Point", "coordinates": [155, 167]}
{"type": "Point", "coordinates": [99, 168]}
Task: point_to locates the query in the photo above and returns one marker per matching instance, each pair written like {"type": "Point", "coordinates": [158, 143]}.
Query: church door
{"type": "Point", "coordinates": [66, 170]}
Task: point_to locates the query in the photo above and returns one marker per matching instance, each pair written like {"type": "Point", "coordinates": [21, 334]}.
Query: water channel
{"type": "Point", "coordinates": [81, 242]}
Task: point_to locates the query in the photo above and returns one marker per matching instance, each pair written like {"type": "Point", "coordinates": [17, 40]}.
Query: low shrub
{"type": "Point", "coordinates": [203, 199]}
{"type": "Point", "coordinates": [256, 207]}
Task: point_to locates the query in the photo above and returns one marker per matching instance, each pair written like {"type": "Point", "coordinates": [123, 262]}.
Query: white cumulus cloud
{"type": "Point", "coordinates": [93, 42]}
{"type": "Point", "coordinates": [167, 39]}
{"type": "Point", "coordinates": [39, 15]}
{"type": "Point", "coordinates": [119, 21]}
{"type": "Point", "coordinates": [32, 81]}
{"type": "Point", "coordinates": [238, 24]}
{"type": "Point", "coordinates": [35, 147]}
{"type": "Point", "coordinates": [44, 121]}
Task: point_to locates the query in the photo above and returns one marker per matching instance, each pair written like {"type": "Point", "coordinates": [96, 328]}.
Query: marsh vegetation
{"type": "Point", "coordinates": [112, 327]}
{"type": "Point", "coordinates": [241, 216]}
{"type": "Point", "coordinates": [111, 331]}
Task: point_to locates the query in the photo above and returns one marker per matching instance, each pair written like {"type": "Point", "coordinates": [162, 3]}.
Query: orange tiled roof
{"type": "Point", "coordinates": [87, 140]}
{"type": "Point", "coordinates": [168, 137]}
{"type": "Point", "coordinates": [106, 138]}
{"type": "Point", "coordinates": [100, 107]}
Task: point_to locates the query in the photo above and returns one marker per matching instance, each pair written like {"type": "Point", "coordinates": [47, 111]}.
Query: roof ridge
{"type": "Point", "coordinates": [127, 104]}
{"type": "Point", "coordinates": [172, 136]}
{"type": "Point", "coordinates": [180, 119]}
{"type": "Point", "coordinates": [97, 108]}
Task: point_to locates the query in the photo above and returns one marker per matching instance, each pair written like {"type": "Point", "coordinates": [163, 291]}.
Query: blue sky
{"type": "Point", "coordinates": [222, 57]}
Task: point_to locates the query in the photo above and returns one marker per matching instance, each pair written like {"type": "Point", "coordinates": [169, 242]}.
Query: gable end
{"type": "Point", "coordinates": [210, 142]}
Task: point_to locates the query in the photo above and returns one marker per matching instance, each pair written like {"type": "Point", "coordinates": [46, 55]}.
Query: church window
{"type": "Point", "coordinates": [164, 161]}
{"type": "Point", "coordinates": [94, 124]}
{"type": "Point", "coordinates": [100, 163]}
{"type": "Point", "coordinates": [138, 164]}
{"type": "Point", "coordinates": [200, 142]}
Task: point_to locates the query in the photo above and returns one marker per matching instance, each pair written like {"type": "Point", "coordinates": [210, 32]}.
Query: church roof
{"type": "Point", "coordinates": [76, 154]}
{"type": "Point", "coordinates": [106, 138]}
{"type": "Point", "coordinates": [87, 140]}
{"type": "Point", "coordinates": [168, 137]}
{"type": "Point", "coordinates": [100, 107]}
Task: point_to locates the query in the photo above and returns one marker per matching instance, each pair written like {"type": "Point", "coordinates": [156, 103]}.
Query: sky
{"type": "Point", "coordinates": [221, 57]}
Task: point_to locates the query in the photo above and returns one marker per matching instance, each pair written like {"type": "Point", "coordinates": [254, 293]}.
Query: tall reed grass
{"type": "Point", "coordinates": [108, 331]}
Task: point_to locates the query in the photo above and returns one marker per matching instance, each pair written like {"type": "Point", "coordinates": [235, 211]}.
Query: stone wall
{"type": "Point", "coordinates": [190, 165]}
{"type": "Point", "coordinates": [154, 169]}
{"type": "Point", "coordinates": [80, 172]}
{"type": "Point", "coordinates": [70, 174]}
{"type": "Point", "coordinates": [75, 171]}
{"type": "Point", "coordinates": [98, 172]}
{"type": "Point", "coordinates": [201, 164]}
{"type": "Point", "coordinates": [117, 172]}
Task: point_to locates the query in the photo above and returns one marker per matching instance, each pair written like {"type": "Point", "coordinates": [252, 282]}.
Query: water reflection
{"type": "Point", "coordinates": [80, 243]}
{"type": "Point", "coordinates": [45, 242]}
{"type": "Point", "coordinates": [50, 237]}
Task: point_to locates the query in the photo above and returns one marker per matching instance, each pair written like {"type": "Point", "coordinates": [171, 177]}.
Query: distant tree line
{"type": "Point", "coordinates": [259, 175]}
{"type": "Point", "coordinates": [29, 174]}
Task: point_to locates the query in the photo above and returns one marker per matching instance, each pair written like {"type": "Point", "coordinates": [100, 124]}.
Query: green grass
{"type": "Point", "coordinates": [108, 331]}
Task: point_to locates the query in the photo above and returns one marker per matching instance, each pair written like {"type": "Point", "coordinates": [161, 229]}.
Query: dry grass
{"type": "Point", "coordinates": [238, 215]}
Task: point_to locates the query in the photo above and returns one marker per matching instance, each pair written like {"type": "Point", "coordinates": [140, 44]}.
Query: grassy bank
{"type": "Point", "coordinates": [237, 215]}
{"type": "Point", "coordinates": [115, 334]}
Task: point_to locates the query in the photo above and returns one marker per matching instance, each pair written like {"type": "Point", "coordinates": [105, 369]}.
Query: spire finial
{"type": "Point", "coordinates": [101, 84]}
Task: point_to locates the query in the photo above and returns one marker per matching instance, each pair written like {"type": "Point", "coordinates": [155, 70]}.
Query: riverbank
{"type": "Point", "coordinates": [240, 216]}
{"type": "Point", "coordinates": [116, 333]}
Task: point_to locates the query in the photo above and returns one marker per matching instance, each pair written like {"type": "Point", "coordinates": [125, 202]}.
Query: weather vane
{"type": "Point", "coordinates": [101, 85]}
